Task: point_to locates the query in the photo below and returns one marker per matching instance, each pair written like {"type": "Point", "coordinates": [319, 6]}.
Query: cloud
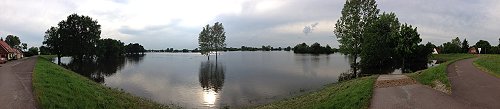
{"type": "Point", "coordinates": [172, 23]}
{"type": "Point", "coordinates": [309, 29]}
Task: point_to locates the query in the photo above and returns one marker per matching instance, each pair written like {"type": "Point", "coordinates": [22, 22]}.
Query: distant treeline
{"type": "Point", "coordinates": [458, 46]}
{"type": "Point", "coordinates": [242, 48]}
{"type": "Point", "coordinates": [315, 48]}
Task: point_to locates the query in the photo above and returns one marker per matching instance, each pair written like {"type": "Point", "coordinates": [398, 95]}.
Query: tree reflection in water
{"type": "Point", "coordinates": [211, 79]}
{"type": "Point", "coordinates": [97, 70]}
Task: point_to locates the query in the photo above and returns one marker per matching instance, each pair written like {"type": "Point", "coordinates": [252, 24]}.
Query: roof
{"type": "Point", "coordinates": [6, 47]}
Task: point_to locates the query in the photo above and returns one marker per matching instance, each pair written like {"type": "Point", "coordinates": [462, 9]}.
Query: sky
{"type": "Point", "coordinates": [160, 24]}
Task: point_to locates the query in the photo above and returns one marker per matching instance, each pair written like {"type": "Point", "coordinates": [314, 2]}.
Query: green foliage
{"type": "Point", "coordinates": [24, 46]}
{"type": "Point", "coordinates": [32, 51]}
{"type": "Point", "coordinates": [349, 29]}
{"type": "Point", "coordinates": [107, 48]}
{"type": "Point", "coordinates": [212, 38]}
{"type": "Point", "coordinates": [315, 48]}
{"type": "Point", "coordinates": [465, 46]}
{"type": "Point", "coordinates": [379, 44]}
{"type": "Point", "coordinates": [134, 49]}
{"type": "Point", "coordinates": [352, 94]}
{"type": "Point", "coordinates": [484, 45]}
{"type": "Point", "coordinates": [56, 87]}
{"type": "Point", "coordinates": [438, 73]}
{"type": "Point", "coordinates": [44, 50]}
{"type": "Point", "coordinates": [79, 35]}
{"type": "Point", "coordinates": [13, 41]}
{"type": "Point", "coordinates": [53, 42]}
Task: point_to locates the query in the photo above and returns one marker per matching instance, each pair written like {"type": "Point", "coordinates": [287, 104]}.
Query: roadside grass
{"type": "Point", "coordinates": [352, 94]}
{"type": "Point", "coordinates": [57, 87]}
{"type": "Point", "coordinates": [437, 75]}
{"type": "Point", "coordinates": [489, 63]}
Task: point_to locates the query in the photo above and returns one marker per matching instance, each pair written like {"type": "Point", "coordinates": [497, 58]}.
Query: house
{"type": "Point", "coordinates": [473, 50]}
{"type": "Point", "coordinates": [6, 52]}
{"type": "Point", "coordinates": [435, 51]}
{"type": "Point", "coordinates": [18, 54]}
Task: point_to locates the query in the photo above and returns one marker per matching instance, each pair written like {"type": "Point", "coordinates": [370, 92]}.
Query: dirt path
{"type": "Point", "coordinates": [16, 84]}
{"type": "Point", "coordinates": [478, 88]}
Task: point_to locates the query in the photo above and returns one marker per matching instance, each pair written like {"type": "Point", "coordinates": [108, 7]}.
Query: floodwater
{"type": "Point", "coordinates": [236, 79]}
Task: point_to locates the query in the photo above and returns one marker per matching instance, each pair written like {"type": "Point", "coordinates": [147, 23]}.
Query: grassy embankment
{"type": "Point", "coordinates": [57, 87]}
{"type": "Point", "coordinates": [489, 63]}
{"type": "Point", "coordinates": [437, 75]}
{"type": "Point", "coordinates": [353, 94]}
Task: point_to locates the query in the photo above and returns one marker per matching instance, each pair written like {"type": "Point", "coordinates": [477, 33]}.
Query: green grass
{"type": "Point", "coordinates": [438, 73]}
{"type": "Point", "coordinates": [489, 63]}
{"type": "Point", "coordinates": [352, 94]}
{"type": "Point", "coordinates": [57, 87]}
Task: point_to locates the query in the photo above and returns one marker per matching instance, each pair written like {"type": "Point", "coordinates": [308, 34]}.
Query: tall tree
{"type": "Point", "coordinates": [379, 44]}
{"type": "Point", "coordinates": [465, 46]}
{"type": "Point", "coordinates": [349, 29]}
{"type": "Point", "coordinates": [54, 42]}
{"type": "Point", "coordinates": [408, 43]}
{"type": "Point", "coordinates": [79, 35]}
{"type": "Point", "coordinates": [204, 41]}
{"type": "Point", "coordinates": [457, 42]}
{"type": "Point", "coordinates": [212, 38]}
{"type": "Point", "coordinates": [13, 41]}
{"type": "Point", "coordinates": [219, 37]}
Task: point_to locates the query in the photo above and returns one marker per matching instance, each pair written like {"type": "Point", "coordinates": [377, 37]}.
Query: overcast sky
{"type": "Point", "coordinates": [159, 24]}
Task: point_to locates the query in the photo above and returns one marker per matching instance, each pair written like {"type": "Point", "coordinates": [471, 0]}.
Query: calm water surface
{"type": "Point", "coordinates": [236, 79]}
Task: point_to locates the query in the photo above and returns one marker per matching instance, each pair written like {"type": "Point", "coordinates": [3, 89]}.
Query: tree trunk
{"type": "Point", "coordinates": [58, 59]}
{"type": "Point", "coordinates": [355, 67]}
{"type": "Point", "coordinates": [216, 54]}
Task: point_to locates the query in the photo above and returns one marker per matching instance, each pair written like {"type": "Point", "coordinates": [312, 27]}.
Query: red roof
{"type": "Point", "coordinates": [6, 47]}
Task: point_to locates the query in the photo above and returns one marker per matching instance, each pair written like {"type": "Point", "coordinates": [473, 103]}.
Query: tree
{"type": "Point", "coordinates": [212, 38]}
{"type": "Point", "coordinates": [349, 29]}
{"type": "Point", "coordinates": [301, 48]}
{"type": "Point", "coordinates": [484, 45]}
{"type": "Point", "coordinates": [465, 46]}
{"type": "Point", "coordinates": [219, 37]}
{"type": "Point", "coordinates": [407, 43]}
{"type": "Point", "coordinates": [54, 42]}
{"type": "Point", "coordinates": [379, 44]}
{"type": "Point", "coordinates": [24, 46]}
{"type": "Point", "coordinates": [79, 35]}
{"type": "Point", "coordinates": [44, 50]}
{"type": "Point", "coordinates": [33, 51]}
{"type": "Point", "coordinates": [13, 41]}
{"type": "Point", "coordinates": [204, 41]}
{"type": "Point", "coordinates": [134, 49]}
{"type": "Point", "coordinates": [457, 42]}
{"type": "Point", "coordinates": [108, 48]}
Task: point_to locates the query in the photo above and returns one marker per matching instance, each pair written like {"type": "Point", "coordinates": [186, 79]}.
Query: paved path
{"type": "Point", "coordinates": [411, 96]}
{"type": "Point", "coordinates": [478, 88]}
{"type": "Point", "coordinates": [16, 85]}
{"type": "Point", "coordinates": [471, 89]}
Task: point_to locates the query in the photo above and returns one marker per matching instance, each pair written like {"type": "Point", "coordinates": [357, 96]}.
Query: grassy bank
{"type": "Point", "coordinates": [489, 63]}
{"type": "Point", "coordinates": [352, 94]}
{"type": "Point", "coordinates": [57, 87]}
{"type": "Point", "coordinates": [437, 75]}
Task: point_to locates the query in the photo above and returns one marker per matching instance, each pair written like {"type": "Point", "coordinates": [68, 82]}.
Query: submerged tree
{"type": "Point", "coordinates": [212, 38]}
{"type": "Point", "coordinates": [379, 44]}
{"type": "Point", "coordinates": [79, 35]}
{"type": "Point", "coordinates": [349, 29]}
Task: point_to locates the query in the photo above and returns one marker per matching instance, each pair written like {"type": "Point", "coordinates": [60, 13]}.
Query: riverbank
{"type": "Point", "coordinates": [354, 94]}
{"type": "Point", "coordinates": [437, 77]}
{"type": "Point", "coordinates": [489, 63]}
{"type": "Point", "coordinates": [57, 87]}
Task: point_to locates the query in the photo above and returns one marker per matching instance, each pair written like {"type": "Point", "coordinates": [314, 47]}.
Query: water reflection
{"type": "Point", "coordinates": [211, 77]}
{"type": "Point", "coordinates": [97, 70]}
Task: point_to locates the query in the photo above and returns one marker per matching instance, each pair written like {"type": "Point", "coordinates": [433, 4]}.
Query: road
{"type": "Point", "coordinates": [16, 90]}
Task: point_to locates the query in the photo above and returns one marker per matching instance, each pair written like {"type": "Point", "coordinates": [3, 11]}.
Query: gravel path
{"type": "Point", "coordinates": [15, 84]}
